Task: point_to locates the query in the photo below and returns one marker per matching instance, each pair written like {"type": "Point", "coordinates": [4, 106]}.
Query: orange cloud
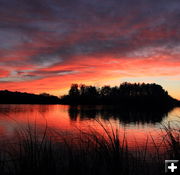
{"type": "Point", "coordinates": [45, 48]}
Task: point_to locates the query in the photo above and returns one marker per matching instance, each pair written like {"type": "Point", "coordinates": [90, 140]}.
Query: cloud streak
{"type": "Point", "coordinates": [86, 41]}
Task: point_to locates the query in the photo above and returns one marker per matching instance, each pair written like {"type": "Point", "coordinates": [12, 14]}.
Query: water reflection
{"type": "Point", "coordinates": [11, 108]}
{"type": "Point", "coordinates": [69, 119]}
{"type": "Point", "coordinates": [123, 115]}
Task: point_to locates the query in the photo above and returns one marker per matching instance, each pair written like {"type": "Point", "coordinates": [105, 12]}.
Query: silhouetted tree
{"type": "Point", "coordinates": [45, 94]}
{"type": "Point", "coordinates": [74, 91]}
{"type": "Point", "coordinates": [8, 97]}
{"type": "Point", "coordinates": [106, 91]}
{"type": "Point", "coordinates": [126, 94]}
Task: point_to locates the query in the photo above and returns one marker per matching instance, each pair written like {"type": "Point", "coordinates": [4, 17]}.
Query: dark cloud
{"type": "Point", "coordinates": [43, 33]}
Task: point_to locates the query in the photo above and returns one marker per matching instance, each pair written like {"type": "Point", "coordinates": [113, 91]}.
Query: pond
{"type": "Point", "coordinates": [137, 126]}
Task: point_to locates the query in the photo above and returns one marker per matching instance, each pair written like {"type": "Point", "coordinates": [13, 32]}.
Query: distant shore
{"type": "Point", "coordinates": [126, 95]}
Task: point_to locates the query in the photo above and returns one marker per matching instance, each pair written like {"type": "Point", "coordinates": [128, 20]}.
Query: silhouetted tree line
{"type": "Point", "coordinates": [127, 94]}
{"type": "Point", "coordinates": [8, 97]}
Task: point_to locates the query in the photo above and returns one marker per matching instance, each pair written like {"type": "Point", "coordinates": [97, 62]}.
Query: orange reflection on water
{"type": "Point", "coordinates": [59, 117]}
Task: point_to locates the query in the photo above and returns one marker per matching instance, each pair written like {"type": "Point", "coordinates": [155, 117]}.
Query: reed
{"type": "Point", "coordinates": [53, 152]}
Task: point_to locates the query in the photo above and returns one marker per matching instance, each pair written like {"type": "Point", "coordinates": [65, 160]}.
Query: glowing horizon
{"type": "Point", "coordinates": [46, 46]}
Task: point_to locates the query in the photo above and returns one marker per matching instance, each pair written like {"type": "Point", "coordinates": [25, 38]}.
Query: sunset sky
{"type": "Point", "coordinates": [46, 45]}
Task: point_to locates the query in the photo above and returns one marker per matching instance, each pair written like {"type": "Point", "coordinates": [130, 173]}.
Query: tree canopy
{"type": "Point", "coordinates": [124, 94]}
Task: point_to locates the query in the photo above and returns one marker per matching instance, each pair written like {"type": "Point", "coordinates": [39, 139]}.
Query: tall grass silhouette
{"type": "Point", "coordinates": [53, 152]}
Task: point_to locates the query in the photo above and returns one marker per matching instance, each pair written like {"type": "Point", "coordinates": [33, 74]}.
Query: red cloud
{"type": "Point", "coordinates": [3, 73]}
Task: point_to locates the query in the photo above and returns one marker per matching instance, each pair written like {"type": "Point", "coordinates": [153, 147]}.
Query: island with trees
{"type": "Point", "coordinates": [126, 94]}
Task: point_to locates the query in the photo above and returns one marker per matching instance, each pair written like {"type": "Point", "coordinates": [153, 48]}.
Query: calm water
{"type": "Point", "coordinates": [137, 125]}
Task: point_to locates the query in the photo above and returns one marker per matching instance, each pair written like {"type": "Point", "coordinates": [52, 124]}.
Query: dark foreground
{"type": "Point", "coordinates": [51, 152]}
